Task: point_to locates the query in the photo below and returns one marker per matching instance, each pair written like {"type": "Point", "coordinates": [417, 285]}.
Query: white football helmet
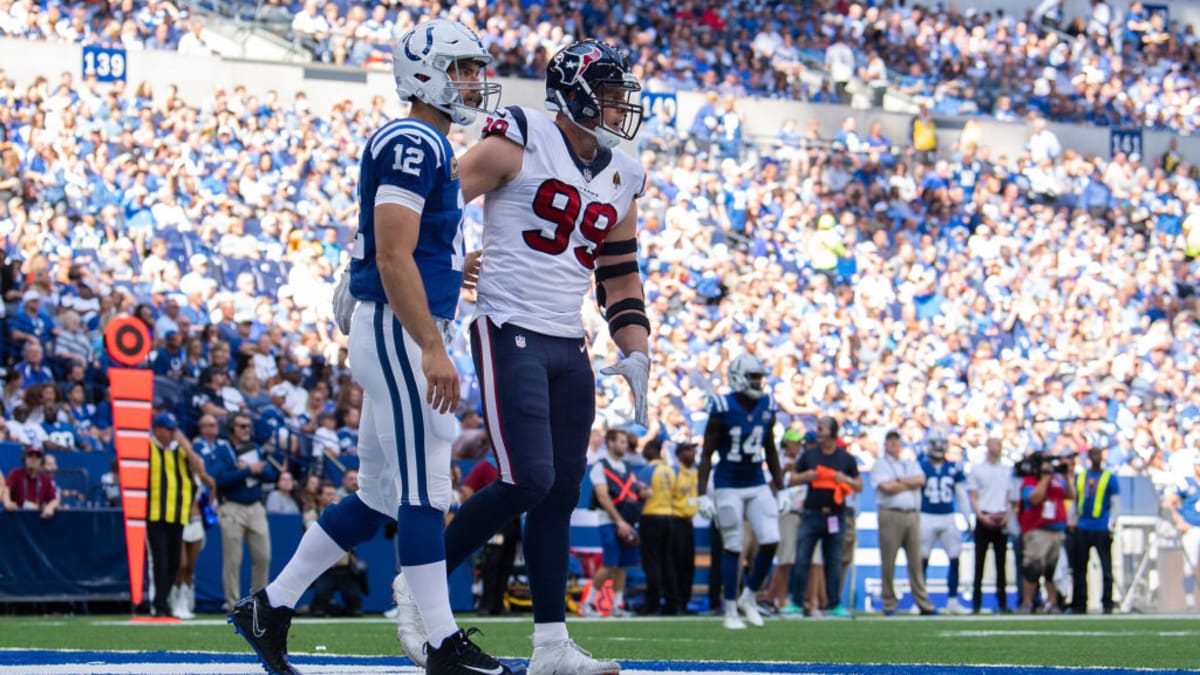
{"type": "Point", "coordinates": [747, 376]}
{"type": "Point", "coordinates": [422, 60]}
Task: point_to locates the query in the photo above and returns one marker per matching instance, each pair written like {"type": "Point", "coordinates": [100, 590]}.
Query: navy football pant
{"type": "Point", "coordinates": [539, 403]}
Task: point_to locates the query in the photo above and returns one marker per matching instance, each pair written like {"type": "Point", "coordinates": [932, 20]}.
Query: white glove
{"type": "Point", "coordinates": [343, 302]}
{"type": "Point", "coordinates": [785, 501]}
{"type": "Point", "coordinates": [635, 368]}
{"type": "Point", "coordinates": [705, 504]}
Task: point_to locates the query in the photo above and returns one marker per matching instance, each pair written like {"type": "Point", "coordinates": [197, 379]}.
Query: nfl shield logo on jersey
{"type": "Point", "coordinates": [520, 342]}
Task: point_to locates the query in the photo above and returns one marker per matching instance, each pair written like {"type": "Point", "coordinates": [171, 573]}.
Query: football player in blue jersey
{"type": "Point", "coordinates": [740, 431]}
{"type": "Point", "coordinates": [403, 285]}
{"type": "Point", "coordinates": [944, 493]}
{"type": "Point", "coordinates": [560, 216]}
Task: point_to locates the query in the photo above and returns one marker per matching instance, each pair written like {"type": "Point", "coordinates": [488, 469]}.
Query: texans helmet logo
{"type": "Point", "coordinates": [573, 64]}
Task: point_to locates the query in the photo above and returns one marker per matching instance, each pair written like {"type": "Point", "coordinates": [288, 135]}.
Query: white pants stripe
{"type": "Point", "coordinates": [490, 400]}
{"type": "Point", "coordinates": [399, 433]}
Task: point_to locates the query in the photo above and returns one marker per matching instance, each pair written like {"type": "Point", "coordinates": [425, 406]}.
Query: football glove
{"type": "Point", "coordinates": [705, 504]}
{"type": "Point", "coordinates": [784, 500]}
{"type": "Point", "coordinates": [635, 368]}
{"type": "Point", "coordinates": [343, 302]}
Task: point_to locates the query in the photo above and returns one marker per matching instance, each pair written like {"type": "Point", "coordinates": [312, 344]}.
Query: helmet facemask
{"type": "Point", "coordinates": [428, 63]}
{"type": "Point", "coordinates": [622, 95]}
{"type": "Point", "coordinates": [462, 98]}
{"type": "Point", "coordinates": [748, 376]}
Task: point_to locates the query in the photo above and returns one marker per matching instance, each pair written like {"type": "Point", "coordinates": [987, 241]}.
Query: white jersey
{"type": "Point", "coordinates": [542, 230]}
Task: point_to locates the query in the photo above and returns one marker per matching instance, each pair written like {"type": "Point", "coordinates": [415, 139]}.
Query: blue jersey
{"type": "Point", "coordinates": [410, 163]}
{"type": "Point", "coordinates": [743, 433]}
{"type": "Point", "coordinates": [347, 439]}
{"type": "Point", "coordinates": [941, 482]}
{"type": "Point", "coordinates": [1189, 498]}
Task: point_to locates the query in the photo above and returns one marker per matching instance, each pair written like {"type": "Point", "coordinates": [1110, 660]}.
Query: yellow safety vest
{"type": "Point", "coordinates": [683, 495]}
{"type": "Point", "coordinates": [1101, 490]}
{"type": "Point", "coordinates": [659, 503]}
{"type": "Point", "coordinates": [924, 134]}
{"type": "Point", "coordinates": [170, 493]}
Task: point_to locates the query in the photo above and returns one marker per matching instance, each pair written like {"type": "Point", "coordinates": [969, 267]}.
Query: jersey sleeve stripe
{"type": "Point", "coordinates": [415, 132]}
{"type": "Point", "coordinates": [518, 116]}
{"type": "Point", "coordinates": [390, 194]}
{"type": "Point", "coordinates": [383, 137]}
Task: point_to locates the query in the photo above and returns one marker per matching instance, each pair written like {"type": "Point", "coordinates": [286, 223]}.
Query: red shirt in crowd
{"type": "Point", "coordinates": [483, 474]}
{"type": "Point", "coordinates": [25, 489]}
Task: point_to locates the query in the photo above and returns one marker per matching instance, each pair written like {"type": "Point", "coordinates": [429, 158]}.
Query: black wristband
{"type": "Point", "coordinates": [628, 319]}
{"type": "Point", "coordinates": [635, 304]}
{"type": "Point", "coordinates": [616, 270]}
{"type": "Point", "coordinates": [623, 247]}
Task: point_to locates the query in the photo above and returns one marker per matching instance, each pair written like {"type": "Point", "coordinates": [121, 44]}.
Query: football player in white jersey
{"type": "Point", "coordinates": [396, 303]}
{"type": "Point", "coordinates": [560, 207]}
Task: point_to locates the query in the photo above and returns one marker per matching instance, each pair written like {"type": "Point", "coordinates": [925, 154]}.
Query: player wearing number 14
{"type": "Point", "coordinates": [740, 431]}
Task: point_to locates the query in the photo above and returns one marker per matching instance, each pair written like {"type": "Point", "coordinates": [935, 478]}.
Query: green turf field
{"type": "Point", "coordinates": [1133, 642]}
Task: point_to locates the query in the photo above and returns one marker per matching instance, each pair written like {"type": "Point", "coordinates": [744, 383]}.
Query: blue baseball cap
{"type": "Point", "coordinates": [165, 420]}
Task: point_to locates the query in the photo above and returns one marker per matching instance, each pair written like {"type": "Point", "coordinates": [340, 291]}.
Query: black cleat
{"type": "Point", "coordinates": [459, 656]}
{"type": "Point", "coordinates": [266, 629]}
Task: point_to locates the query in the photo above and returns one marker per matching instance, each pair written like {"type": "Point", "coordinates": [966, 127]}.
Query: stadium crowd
{"type": "Point", "coordinates": [1112, 68]}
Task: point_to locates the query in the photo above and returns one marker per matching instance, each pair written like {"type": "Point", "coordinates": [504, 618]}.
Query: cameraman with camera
{"type": "Point", "coordinates": [1042, 515]}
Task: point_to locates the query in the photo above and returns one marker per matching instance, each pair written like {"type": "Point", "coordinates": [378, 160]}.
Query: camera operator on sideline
{"type": "Point", "coordinates": [1042, 514]}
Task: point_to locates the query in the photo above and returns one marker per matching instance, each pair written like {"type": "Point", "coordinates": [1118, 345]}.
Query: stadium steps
{"type": "Point", "coordinates": [237, 35]}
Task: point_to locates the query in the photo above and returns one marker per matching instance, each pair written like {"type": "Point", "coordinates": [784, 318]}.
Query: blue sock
{"type": "Point", "coordinates": [762, 566]}
{"type": "Point", "coordinates": [419, 531]}
{"type": "Point", "coordinates": [484, 514]}
{"type": "Point", "coordinates": [730, 562]}
{"type": "Point", "coordinates": [547, 528]}
{"type": "Point", "coordinates": [351, 522]}
{"type": "Point", "coordinates": [952, 579]}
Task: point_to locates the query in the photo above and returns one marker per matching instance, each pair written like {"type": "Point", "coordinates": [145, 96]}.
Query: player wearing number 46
{"type": "Point", "coordinates": [405, 276]}
{"type": "Point", "coordinates": [739, 431]}
{"type": "Point", "coordinates": [559, 207]}
{"type": "Point", "coordinates": [945, 488]}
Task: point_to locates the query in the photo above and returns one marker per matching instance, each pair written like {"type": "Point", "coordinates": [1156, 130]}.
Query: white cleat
{"type": "Point", "coordinates": [410, 630]}
{"type": "Point", "coordinates": [749, 607]}
{"type": "Point", "coordinates": [953, 607]}
{"type": "Point", "coordinates": [568, 658]}
{"type": "Point", "coordinates": [734, 622]}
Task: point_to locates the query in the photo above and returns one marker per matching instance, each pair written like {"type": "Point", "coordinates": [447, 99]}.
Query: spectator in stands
{"type": "Point", "coordinates": [29, 488]}
{"type": "Point", "coordinates": [283, 498]}
{"type": "Point", "coordinates": [239, 470]}
{"type": "Point", "coordinates": [33, 323]}
{"type": "Point", "coordinates": [170, 359]}
{"type": "Point", "coordinates": [923, 133]}
{"type": "Point", "coordinates": [33, 371]}
{"type": "Point", "coordinates": [349, 483]}
{"type": "Point", "coordinates": [898, 481]}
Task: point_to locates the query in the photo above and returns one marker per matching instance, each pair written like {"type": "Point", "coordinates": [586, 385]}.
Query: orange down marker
{"type": "Point", "coordinates": [128, 343]}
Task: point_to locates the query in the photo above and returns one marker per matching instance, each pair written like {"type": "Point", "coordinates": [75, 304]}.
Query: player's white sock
{"type": "Point", "coordinates": [731, 608]}
{"type": "Point", "coordinates": [316, 553]}
{"type": "Point", "coordinates": [618, 599]}
{"type": "Point", "coordinates": [549, 633]}
{"type": "Point", "coordinates": [429, 588]}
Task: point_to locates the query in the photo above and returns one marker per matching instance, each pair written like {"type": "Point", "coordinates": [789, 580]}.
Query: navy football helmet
{"type": "Point", "coordinates": [588, 78]}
